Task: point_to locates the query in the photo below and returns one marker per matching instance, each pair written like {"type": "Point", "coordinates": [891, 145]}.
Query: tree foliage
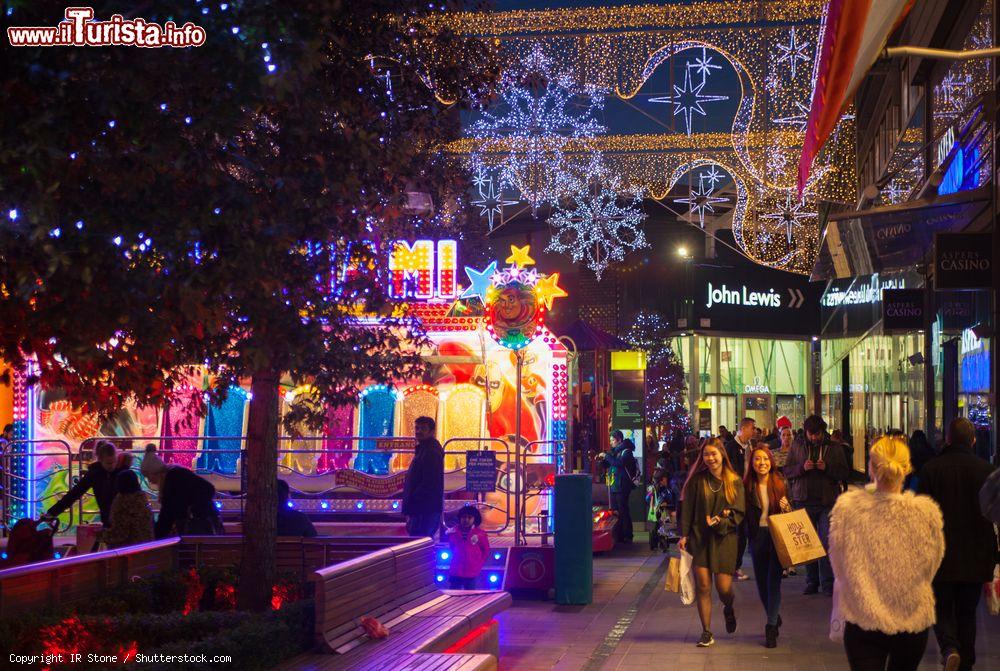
{"type": "Point", "coordinates": [172, 207]}
{"type": "Point", "coordinates": [665, 382]}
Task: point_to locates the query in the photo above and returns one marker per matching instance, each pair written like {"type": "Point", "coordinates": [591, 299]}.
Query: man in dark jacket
{"type": "Point", "coordinates": [99, 478]}
{"type": "Point", "coordinates": [423, 489]}
{"type": "Point", "coordinates": [954, 479]}
{"type": "Point", "coordinates": [737, 448]}
{"type": "Point", "coordinates": [624, 468]}
{"type": "Point", "coordinates": [291, 522]}
{"type": "Point", "coordinates": [815, 468]}
{"type": "Point", "coordinates": [186, 500]}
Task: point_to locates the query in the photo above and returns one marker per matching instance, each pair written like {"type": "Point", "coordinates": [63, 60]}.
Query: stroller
{"type": "Point", "coordinates": [29, 541]}
{"type": "Point", "coordinates": [662, 504]}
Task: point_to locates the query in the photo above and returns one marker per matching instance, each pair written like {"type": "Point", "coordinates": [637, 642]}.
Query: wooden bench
{"type": "Point", "coordinates": [66, 582]}
{"type": "Point", "coordinates": [294, 554]}
{"type": "Point", "coordinates": [396, 586]}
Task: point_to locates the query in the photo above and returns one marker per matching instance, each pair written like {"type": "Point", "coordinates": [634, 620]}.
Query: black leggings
{"type": "Point", "coordinates": [870, 650]}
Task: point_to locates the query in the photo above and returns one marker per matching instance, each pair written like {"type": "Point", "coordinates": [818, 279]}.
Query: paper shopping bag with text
{"type": "Point", "coordinates": [795, 538]}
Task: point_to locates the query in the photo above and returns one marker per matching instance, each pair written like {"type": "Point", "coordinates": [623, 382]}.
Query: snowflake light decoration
{"type": "Point", "coordinates": [790, 214]}
{"type": "Point", "coordinates": [597, 230]}
{"type": "Point", "coordinates": [703, 65]}
{"type": "Point", "coordinates": [527, 132]}
{"type": "Point", "coordinates": [688, 99]}
{"type": "Point", "coordinates": [793, 51]}
{"type": "Point", "coordinates": [798, 121]}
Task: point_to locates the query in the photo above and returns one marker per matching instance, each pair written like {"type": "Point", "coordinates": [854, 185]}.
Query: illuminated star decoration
{"type": "Point", "coordinates": [490, 201]}
{"type": "Point", "coordinates": [703, 65]}
{"type": "Point", "coordinates": [688, 99]}
{"type": "Point", "coordinates": [598, 230]}
{"type": "Point", "coordinates": [798, 121]}
{"type": "Point", "coordinates": [790, 214]}
{"type": "Point", "coordinates": [713, 175]}
{"type": "Point", "coordinates": [548, 289]}
{"type": "Point", "coordinates": [479, 282]}
{"type": "Point", "coordinates": [700, 199]}
{"type": "Point", "coordinates": [793, 52]}
{"type": "Point", "coordinates": [950, 84]}
{"type": "Point", "coordinates": [519, 256]}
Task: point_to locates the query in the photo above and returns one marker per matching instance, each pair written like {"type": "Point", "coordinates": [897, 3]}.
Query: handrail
{"type": "Point", "coordinates": [58, 564]}
{"type": "Point", "coordinates": [506, 454]}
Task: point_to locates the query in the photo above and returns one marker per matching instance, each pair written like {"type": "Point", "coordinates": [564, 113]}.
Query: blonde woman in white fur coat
{"type": "Point", "coordinates": [885, 547]}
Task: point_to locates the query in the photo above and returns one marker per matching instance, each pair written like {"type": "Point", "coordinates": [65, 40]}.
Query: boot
{"type": "Point", "coordinates": [770, 636]}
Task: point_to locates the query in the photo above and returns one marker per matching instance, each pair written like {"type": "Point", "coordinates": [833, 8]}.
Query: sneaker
{"type": "Point", "coordinates": [706, 639]}
{"type": "Point", "coordinates": [730, 616]}
{"type": "Point", "coordinates": [792, 571]}
{"type": "Point", "coordinates": [811, 589]}
{"type": "Point", "coordinates": [951, 660]}
{"type": "Point", "coordinates": [740, 575]}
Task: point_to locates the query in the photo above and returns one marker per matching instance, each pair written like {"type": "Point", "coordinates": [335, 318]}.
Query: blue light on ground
{"type": "Point", "coordinates": [497, 555]}
{"type": "Point", "coordinates": [290, 504]}
{"type": "Point", "coordinates": [3, 555]}
{"type": "Point", "coordinates": [494, 578]}
{"type": "Point", "coordinates": [58, 555]}
{"type": "Point", "coordinates": [444, 555]}
{"type": "Point", "coordinates": [439, 577]}
{"type": "Point", "coordinates": [218, 505]}
{"type": "Point", "coordinates": [395, 505]}
{"type": "Point", "coordinates": [359, 505]}
{"type": "Point", "coordinates": [324, 505]}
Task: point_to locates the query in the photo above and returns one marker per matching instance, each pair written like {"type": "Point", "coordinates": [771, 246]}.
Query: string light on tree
{"type": "Point", "coordinates": [666, 385]}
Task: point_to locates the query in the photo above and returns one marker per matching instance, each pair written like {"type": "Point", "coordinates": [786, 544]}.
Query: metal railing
{"type": "Point", "coordinates": [290, 461]}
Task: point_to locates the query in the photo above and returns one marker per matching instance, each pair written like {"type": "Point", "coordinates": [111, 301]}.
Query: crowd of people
{"type": "Point", "coordinates": [908, 548]}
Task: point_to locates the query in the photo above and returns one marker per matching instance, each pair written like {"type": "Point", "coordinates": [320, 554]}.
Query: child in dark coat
{"type": "Point", "coordinates": [470, 547]}
{"type": "Point", "coordinates": [131, 516]}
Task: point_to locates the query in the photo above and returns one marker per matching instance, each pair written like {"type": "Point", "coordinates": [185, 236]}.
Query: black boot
{"type": "Point", "coordinates": [770, 636]}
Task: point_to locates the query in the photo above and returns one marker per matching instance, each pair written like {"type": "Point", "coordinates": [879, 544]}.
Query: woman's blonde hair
{"type": "Point", "coordinates": [890, 459]}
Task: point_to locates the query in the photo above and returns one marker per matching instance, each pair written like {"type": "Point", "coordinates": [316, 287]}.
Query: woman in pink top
{"type": "Point", "coordinates": [469, 549]}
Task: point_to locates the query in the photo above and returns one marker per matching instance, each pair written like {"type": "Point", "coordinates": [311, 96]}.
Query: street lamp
{"type": "Point", "coordinates": [682, 252]}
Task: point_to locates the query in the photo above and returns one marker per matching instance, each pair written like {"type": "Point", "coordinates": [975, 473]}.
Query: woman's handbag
{"type": "Point", "coordinates": [673, 583]}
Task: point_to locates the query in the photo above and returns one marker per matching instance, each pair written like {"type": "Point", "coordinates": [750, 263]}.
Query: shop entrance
{"type": "Point", "coordinates": [758, 408]}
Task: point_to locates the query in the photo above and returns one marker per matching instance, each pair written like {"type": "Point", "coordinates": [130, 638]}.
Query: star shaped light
{"type": "Point", "coordinates": [793, 52]}
{"type": "Point", "coordinates": [700, 200]}
{"type": "Point", "coordinates": [519, 256]}
{"type": "Point", "coordinates": [548, 289]}
{"type": "Point", "coordinates": [790, 214]}
{"type": "Point", "coordinates": [491, 202]}
{"type": "Point", "coordinates": [799, 121]}
{"type": "Point", "coordinates": [688, 99]}
{"type": "Point", "coordinates": [703, 65]}
{"type": "Point", "coordinates": [479, 282]}
{"type": "Point", "coordinates": [713, 176]}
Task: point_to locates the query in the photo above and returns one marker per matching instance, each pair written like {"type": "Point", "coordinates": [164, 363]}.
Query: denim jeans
{"type": "Point", "coordinates": [820, 573]}
{"type": "Point", "coordinates": [767, 573]}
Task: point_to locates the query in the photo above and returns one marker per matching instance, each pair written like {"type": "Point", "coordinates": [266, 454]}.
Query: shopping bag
{"type": "Point", "coordinates": [86, 538]}
{"type": "Point", "coordinates": [795, 538]}
{"type": "Point", "coordinates": [673, 575]}
{"type": "Point", "coordinates": [687, 578]}
{"type": "Point", "coordinates": [991, 592]}
{"type": "Point", "coordinates": [837, 622]}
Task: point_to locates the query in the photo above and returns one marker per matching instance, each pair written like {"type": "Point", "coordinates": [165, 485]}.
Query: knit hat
{"type": "Point", "coordinates": [151, 464]}
{"type": "Point", "coordinates": [783, 423]}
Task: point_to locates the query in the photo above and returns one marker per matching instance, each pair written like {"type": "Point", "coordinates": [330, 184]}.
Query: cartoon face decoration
{"type": "Point", "coordinates": [514, 315]}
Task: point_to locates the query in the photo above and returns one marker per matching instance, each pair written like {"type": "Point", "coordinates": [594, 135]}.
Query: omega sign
{"type": "Point", "coordinates": [963, 260]}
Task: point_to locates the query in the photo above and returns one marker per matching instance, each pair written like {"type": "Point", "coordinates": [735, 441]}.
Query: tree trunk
{"type": "Point", "coordinates": [260, 509]}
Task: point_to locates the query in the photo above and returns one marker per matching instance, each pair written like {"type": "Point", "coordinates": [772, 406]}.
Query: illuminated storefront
{"type": "Point", "coordinates": [746, 341]}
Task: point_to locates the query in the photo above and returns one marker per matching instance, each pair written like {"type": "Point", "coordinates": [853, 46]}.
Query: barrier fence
{"type": "Point", "coordinates": [311, 473]}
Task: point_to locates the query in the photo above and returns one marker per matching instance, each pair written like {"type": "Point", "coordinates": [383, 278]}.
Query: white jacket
{"type": "Point", "coordinates": [885, 550]}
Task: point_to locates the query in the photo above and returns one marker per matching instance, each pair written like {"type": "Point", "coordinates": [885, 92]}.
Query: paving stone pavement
{"type": "Point", "coordinates": [627, 627]}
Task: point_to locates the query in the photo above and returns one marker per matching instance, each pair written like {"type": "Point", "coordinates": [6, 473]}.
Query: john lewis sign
{"type": "Point", "coordinates": [742, 295]}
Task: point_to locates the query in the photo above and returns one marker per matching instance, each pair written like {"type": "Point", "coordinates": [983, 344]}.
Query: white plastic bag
{"type": "Point", "coordinates": [687, 578]}
{"type": "Point", "coordinates": [836, 618]}
{"type": "Point", "coordinates": [991, 591]}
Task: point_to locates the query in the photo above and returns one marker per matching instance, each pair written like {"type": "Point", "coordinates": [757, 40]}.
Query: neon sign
{"type": "Point", "coordinates": [423, 269]}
